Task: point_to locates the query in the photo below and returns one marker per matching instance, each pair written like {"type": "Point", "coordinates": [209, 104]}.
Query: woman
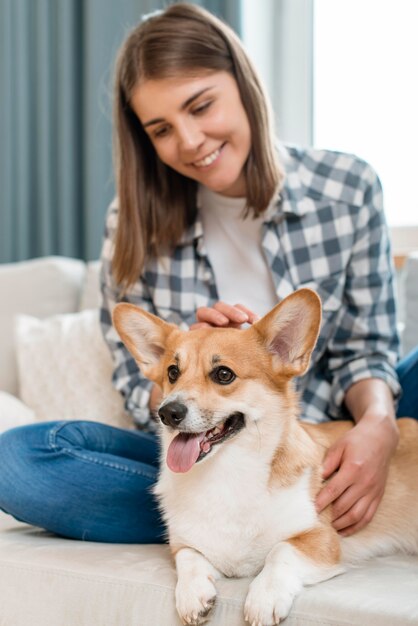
{"type": "Point", "coordinates": [210, 212]}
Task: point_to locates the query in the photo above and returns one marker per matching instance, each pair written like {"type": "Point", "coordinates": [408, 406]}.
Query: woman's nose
{"type": "Point", "coordinates": [190, 136]}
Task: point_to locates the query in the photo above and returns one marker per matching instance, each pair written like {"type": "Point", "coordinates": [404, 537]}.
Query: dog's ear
{"type": "Point", "coordinates": [290, 331]}
{"type": "Point", "coordinates": [143, 334]}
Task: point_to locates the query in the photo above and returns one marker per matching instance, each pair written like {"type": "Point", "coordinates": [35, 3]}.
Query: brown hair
{"type": "Point", "coordinates": [157, 204]}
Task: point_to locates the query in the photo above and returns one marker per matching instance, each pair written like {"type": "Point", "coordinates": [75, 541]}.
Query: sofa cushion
{"type": "Point", "coordinates": [40, 287]}
{"type": "Point", "coordinates": [13, 412]}
{"type": "Point", "coordinates": [65, 369]}
{"type": "Point", "coordinates": [65, 582]}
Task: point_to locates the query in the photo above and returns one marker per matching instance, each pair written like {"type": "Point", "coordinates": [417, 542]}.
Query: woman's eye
{"type": "Point", "coordinates": [173, 373]}
{"type": "Point", "coordinates": [161, 132]}
{"type": "Point", "coordinates": [201, 108]}
{"type": "Point", "coordinates": [223, 375]}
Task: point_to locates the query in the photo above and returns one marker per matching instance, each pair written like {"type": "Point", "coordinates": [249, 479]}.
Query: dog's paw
{"type": "Point", "coordinates": [195, 599]}
{"type": "Point", "coordinates": [267, 605]}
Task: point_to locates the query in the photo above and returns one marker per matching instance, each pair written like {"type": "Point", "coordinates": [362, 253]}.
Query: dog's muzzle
{"type": "Point", "coordinates": [187, 448]}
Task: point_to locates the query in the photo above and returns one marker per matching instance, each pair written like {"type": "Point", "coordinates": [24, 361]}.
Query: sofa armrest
{"type": "Point", "coordinates": [410, 292]}
{"type": "Point", "coordinates": [13, 412]}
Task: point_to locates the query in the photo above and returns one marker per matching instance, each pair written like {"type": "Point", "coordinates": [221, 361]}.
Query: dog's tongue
{"type": "Point", "coordinates": [184, 451]}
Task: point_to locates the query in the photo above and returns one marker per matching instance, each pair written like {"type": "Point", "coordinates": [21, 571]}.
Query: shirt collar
{"type": "Point", "coordinates": [291, 200]}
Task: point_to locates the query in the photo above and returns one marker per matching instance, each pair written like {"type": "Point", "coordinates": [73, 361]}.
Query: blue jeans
{"type": "Point", "coordinates": [89, 481]}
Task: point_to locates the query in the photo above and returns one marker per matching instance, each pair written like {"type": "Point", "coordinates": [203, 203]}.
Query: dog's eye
{"type": "Point", "coordinates": [222, 375]}
{"type": "Point", "coordinates": [173, 373]}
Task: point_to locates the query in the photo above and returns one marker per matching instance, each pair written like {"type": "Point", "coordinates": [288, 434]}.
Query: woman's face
{"type": "Point", "coordinates": [198, 127]}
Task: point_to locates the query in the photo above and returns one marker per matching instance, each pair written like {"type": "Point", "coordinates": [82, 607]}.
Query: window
{"type": "Point", "coordinates": [365, 97]}
{"type": "Point", "coordinates": [342, 75]}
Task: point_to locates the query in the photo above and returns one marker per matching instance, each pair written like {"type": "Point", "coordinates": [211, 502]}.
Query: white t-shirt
{"type": "Point", "coordinates": [235, 252]}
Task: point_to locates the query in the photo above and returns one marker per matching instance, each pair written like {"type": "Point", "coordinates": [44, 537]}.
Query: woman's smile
{"type": "Point", "coordinates": [208, 160]}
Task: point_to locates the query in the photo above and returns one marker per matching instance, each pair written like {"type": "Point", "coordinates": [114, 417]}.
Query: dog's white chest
{"type": "Point", "coordinates": [234, 519]}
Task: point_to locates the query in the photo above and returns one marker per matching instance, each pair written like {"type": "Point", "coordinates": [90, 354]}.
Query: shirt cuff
{"type": "Point", "coordinates": [357, 370]}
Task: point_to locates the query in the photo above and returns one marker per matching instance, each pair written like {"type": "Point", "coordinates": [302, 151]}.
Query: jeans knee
{"type": "Point", "coordinates": [30, 472]}
{"type": "Point", "coordinates": [13, 443]}
{"type": "Point", "coordinates": [16, 465]}
{"type": "Point", "coordinates": [80, 435]}
{"type": "Point", "coordinates": [22, 448]}
{"type": "Point", "coordinates": [69, 434]}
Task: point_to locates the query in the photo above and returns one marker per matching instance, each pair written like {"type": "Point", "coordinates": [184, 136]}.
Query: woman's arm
{"type": "Point", "coordinates": [126, 378]}
{"type": "Point", "coordinates": [362, 357]}
{"type": "Point", "coordinates": [360, 459]}
{"type": "Point", "coordinates": [365, 344]}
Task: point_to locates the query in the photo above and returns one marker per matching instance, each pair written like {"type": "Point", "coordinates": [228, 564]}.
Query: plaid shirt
{"type": "Point", "coordinates": [327, 231]}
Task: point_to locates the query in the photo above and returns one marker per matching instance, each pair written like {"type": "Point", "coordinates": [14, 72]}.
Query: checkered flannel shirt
{"type": "Point", "coordinates": [327, 231]}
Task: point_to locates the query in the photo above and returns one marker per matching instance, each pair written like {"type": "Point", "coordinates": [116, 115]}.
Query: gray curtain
{"type": "Point", "coordinates": [56, 177]}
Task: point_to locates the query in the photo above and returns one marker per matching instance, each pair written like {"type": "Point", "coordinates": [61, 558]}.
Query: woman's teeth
{"type": "Point", "coordinates": [209, 159]}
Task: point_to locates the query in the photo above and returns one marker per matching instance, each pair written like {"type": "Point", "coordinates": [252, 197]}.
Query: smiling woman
{"type": "Point", "coordinates": [176, 106]}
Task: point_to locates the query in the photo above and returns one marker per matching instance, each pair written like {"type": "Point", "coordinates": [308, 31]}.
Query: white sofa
{"type": "Point", "coordinates": [50, 581]}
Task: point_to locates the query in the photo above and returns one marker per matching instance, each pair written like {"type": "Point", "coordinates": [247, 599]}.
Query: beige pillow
{"type": "Point", "coordinates": [40, 287]}
{"type": "Point", "coordinates": [65, 369]}
{"type": "Point", "coordinates": [13, 412]}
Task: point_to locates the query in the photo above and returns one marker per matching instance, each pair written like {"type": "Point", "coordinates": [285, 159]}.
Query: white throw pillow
{"type": "Point", "coordinates": [40, 287]}
{"type": "Point", "coordinates": [13, 412]}
{"type": "Point", "coordinates": [65, 369]}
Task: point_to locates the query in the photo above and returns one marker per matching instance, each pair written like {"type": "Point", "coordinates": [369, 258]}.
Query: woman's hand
{"type": "Point", "coordinates": [360, 463]}
{"type": "Point", "coordinates": [224, 315]}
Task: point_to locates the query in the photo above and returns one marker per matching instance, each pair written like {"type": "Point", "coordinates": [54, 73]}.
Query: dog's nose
{"type": "Point", "coordinates": [172, 413]}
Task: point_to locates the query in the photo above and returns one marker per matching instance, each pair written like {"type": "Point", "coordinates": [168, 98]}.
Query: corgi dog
{"type": "Point", "coordinates": [240, 473]}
